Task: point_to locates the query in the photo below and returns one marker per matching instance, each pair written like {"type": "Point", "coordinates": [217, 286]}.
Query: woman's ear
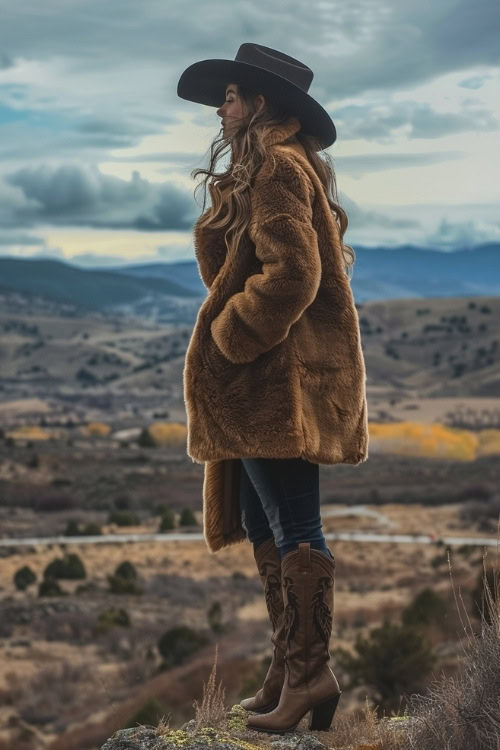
{"type": "Point", "coordinates": [259, 102]}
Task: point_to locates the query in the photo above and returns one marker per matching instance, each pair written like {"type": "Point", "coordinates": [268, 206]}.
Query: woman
{"type": "Point", "coordinates": [274, 377]}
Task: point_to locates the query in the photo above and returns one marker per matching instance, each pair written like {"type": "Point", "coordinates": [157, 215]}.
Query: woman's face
{"type": "Point", "coordinates": [234, 109]}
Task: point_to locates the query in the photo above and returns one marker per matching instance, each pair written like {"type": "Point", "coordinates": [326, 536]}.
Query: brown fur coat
{"type": "Point", "coordinates": [274, 367]}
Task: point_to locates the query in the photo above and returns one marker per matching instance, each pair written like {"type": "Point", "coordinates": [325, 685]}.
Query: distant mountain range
{"type": "Point", "coordinates": [150, 289]}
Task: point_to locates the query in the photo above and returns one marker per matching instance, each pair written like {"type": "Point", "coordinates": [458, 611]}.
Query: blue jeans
{"type": "Point", "coordinates": [279, 497]}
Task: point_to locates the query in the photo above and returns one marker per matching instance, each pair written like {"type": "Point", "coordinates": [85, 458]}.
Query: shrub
{"type": "Point", "coordinates": [178, 643]}
{"type": "Point", "coordinates": [124, 580]}
{"type": "Point", "coordinates": [394, 660]}
{"type": "Point", "coordinates": [86, 377]}
{"type": "Point", "coordinates": [91, 529]}
{"type": "Point", "coordinates": [70, 567]}
{"type": "Point", "coordinates": [50, 587]}
{"type": "Point", "coordinates": [111, 617]}
{"type": "Point", "coordinates": [238, 575]}
{"type": "Point", "coordinates": [214, 616]}
{"type": "Point", "coordinates": [126, 570]}
{"type": "Point", "coordinates": [124, 518]}
{"type": "Point", "coordinates": [33, 461]}
{"type": "Point", "coordinates": [145, 439]}
{"type": "Point", "coordinates": [427, 608]}
{"type": "Point", "coordinates": [167, 520]}
{"type": "Point", "coordinates": [23, 578]}
{"type": "Point", "coordinates": [72, 528]}
{"type": "Point", "coordinates": [187, 518]}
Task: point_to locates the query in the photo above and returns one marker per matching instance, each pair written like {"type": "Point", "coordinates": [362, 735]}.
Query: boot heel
{"type": "Point", "coordinates": [322, 714]}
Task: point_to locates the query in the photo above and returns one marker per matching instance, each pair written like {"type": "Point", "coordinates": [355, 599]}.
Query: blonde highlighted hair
{"type": "Point", "coordinates": [230, 189]}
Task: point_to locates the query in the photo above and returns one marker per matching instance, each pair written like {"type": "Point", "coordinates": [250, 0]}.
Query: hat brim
{"type": "Point", "coordinates": [205, 82]}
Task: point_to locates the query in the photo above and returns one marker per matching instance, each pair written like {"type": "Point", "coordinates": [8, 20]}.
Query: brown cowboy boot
{"type": "Point", "coordinates": [307, 579]}
{"type": "Point", "coordinates": [267, 557]}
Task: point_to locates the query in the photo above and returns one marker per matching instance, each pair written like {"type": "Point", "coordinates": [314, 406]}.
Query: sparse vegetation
{"type": "Point", "coordinates": [124, 518]}
{"type": "Point", "coordinates": [393, 661]}
{"type": "Point", "coordinates": [212, 711]}
{"type": "Point", "coordinates": [145, 439]}
{"type": "Point", "coordinates": [73, 528]}
{"type": "Point", "coordinates": [187, 518]}
{"type": "Point", "coordinates": [68, 567]}
{"type": "Point", "coordinates": [214, 617]}
{"type": "Point", "coordinates": [111, 617]}
{"type": "Point", "coordinates": [167, 520]}
{"type": "Point", "coordinates": [50, 587]}
{"type": "Point", "coordinates": [124, 580]}
{"type": "Point", "coordinates": [427, 608]}
{"type": "Point", "coordinates": [56, 476]}
{"type": "Point", "coordinates": [178, 643]}
{"type": "Point", "coordinates": [463, 711]}
{"type": "Point", "coordinates": [24, 577]}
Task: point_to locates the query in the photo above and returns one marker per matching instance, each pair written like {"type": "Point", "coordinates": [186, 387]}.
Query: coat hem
{"type": "Point", "coordinates": [312, 456]}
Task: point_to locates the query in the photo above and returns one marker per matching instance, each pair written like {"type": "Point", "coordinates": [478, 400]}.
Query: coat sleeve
{"type": "Point", "coordinates": [258, 318]}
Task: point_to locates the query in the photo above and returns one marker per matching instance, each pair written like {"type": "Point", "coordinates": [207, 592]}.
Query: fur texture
{"type": "Point", "coordinates": [274, 367]}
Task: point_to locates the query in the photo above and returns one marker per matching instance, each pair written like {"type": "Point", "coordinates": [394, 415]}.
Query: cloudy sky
{"type": "Point", "coordinates": [96, 148]}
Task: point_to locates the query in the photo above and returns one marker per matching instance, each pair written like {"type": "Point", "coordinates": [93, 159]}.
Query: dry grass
{"type": "Point", "coordinates": [463, 712]}
{"type": "Point", "coordinates": [212, 711]}
{"type": "Point", "coordinates": [362, 729]}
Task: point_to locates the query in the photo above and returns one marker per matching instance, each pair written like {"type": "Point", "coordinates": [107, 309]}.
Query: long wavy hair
{"type": "Point", "coordinates": [230, 189]}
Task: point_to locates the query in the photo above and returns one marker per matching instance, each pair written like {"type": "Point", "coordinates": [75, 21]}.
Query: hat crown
{"type": "Point", "coordinates": [276, 62]}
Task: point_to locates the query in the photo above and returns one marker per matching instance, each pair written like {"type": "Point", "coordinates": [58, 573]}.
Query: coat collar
{"type": "Point", "coordinates": [279, 135]}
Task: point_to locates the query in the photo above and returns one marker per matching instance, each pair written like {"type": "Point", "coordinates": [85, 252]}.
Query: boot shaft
{"type": "Point", "coordinates": [308, 578]}
{"type": "Point", "coordinates": [268, 559]}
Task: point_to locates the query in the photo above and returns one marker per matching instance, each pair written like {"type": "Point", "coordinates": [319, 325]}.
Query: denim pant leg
{"type": "Point", "coordinates": [253, 517]}
{"type": "Point", "coordinates": [288, 490]}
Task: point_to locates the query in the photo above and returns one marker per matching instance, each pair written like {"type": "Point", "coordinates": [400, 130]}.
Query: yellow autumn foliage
{"type": "Point", "coordinates": [168, 433]}
{"type": "Point", "coordinates": [489, 443]}
{"type": "Point", "coordinates": [96, 428]}
{"type": "Point", "coordinates": [31, 432]}
{"type": "Point", "coordinates": [427, 440]}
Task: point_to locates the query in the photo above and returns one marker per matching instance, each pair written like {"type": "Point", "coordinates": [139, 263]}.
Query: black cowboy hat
{"type": "Point", "coordinates": [267, 71]}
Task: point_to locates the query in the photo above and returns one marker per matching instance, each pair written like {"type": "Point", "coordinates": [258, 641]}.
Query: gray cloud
{"type": "Point", "coordinates": [406, 43]}
{"type": "Point", "coordinates": [361, 218]}
{"type": "Point", "coordinates": [163, 254]}
{"type": "Point", "coordinates": [97, 99]}
{"type": "Point", "coordinates": [5, 61]}
{"type": "Point", "coordinates": [81, 195]}
{"type": "Point", "coordinates": [474, 82]}
{"type": "Point", "coordinates": [90, 138]}
{"type": "Point", "coordinates": [359, 164]}
{"type": "Point", "coordinates": [352, 46]}
{"type": "Point", "coordinates": [13, 238]}
{"type": "Point", "coordinates": [376, 123]}
{"type": "Point", "coordinates": [471, 232]}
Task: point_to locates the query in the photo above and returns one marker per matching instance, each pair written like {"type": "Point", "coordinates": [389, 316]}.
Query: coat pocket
{"type": "Point", "coordinates": [218, 365]}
